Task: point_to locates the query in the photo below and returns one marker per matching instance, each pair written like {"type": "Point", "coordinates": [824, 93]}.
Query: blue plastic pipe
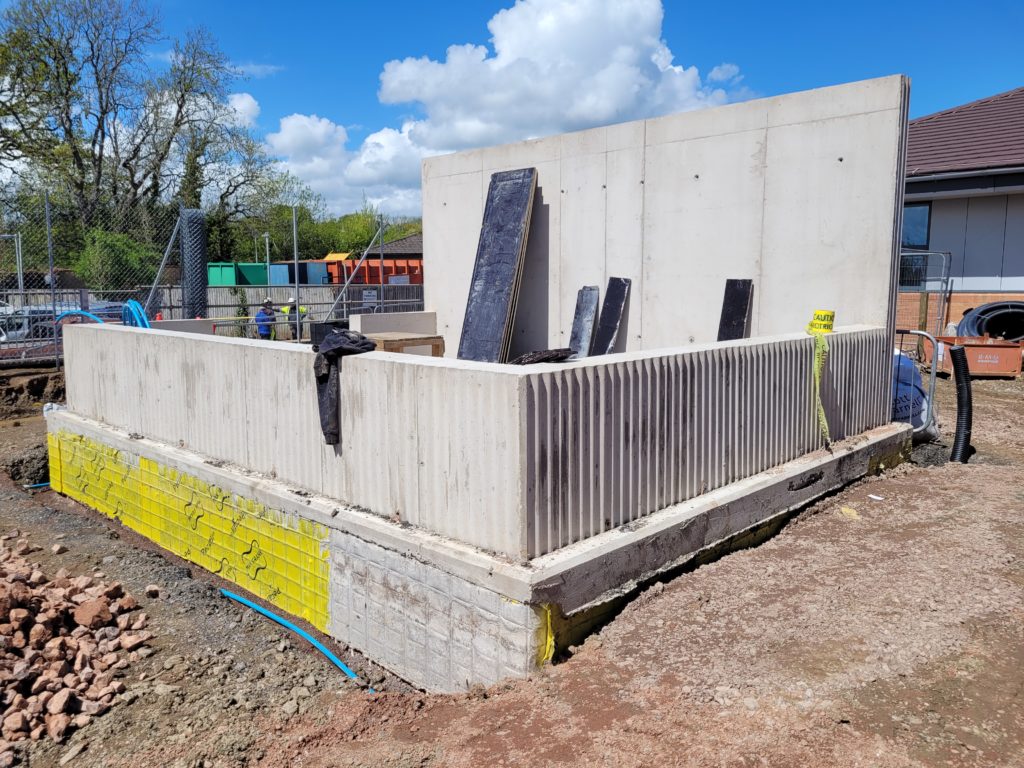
{"type": "Point", "coordinates": [301, 633]}
{"type": "Point", "coordinates": [81, 312]}
{"type": "Point", "coordinates": [37, 485]}
{"type": "Point", "coordinates": [134, 315]}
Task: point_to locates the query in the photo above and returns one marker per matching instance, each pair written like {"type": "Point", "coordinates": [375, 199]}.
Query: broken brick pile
{"type": "Point", "coordinates": [63, 645]}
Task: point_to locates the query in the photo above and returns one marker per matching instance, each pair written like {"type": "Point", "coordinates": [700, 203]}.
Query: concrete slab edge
{"type": "Point", "coordinates": [606, 566]}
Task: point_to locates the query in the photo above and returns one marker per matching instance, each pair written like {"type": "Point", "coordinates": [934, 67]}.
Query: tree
{"type": "Point", "coordinates": [83, 106]}
{"type": "Point", "coordinates": [190, 189]}
{"type": "Point", "coordinates": [113, 261]}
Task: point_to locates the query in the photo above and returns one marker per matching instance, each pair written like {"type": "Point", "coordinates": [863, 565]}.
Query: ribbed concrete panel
{"type": "Point", "coordinates": [609, 443]}
{"type": "Point", "coordinates": [517, 460]}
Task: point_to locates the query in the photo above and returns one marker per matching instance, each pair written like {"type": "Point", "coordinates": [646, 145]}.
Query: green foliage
{"type": "Point", "coordinates": [241, 309]}
{"type": "Point", "coordinates": [190, 192]}
{"type": "Point", "coordinates": [112, 261]}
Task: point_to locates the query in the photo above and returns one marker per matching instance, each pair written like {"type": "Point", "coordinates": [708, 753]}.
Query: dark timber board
{"type": "Point", "coordinates": [583, 320]}
{"type": "Point", "coordinates": [494, 289]}
{"type": "Point", "coordinates": [735, 322]}
{"type": "Point", "coordinates": [615, 298]}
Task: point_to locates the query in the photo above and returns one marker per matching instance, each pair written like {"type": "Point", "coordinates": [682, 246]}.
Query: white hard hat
{"type": "Point", "coordinates": [291, 300]}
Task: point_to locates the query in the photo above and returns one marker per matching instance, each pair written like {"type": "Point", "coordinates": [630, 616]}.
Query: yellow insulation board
{"type": "Point", "coordinates": [279, 557]}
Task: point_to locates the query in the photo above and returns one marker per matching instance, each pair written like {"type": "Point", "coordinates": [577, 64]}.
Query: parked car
{"type": "Point", "coordinates": [31, 323]}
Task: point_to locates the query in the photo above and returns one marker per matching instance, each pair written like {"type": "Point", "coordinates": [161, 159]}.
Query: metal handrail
{"type": "Point", "coordinates": [926, 423]}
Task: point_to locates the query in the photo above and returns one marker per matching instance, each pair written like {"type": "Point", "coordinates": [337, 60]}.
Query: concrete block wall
{"type": "Point", "coordinates": [429, 624]}
{"type": "Point", "coordinates": [801, 193]}
{"type": "Point", "coordinates": [440, 614]}
{"type": "Point", "coordinates": [434, 620]}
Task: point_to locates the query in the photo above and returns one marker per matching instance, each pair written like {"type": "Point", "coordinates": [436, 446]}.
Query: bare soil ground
{"type": "Point", "coordinates": [884, 626]}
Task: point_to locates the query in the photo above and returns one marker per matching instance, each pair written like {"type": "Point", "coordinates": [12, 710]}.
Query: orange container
{"type": "Point", "coordinates": [985, 356]}
{"type": "Point", "coordinates": [369, 273]}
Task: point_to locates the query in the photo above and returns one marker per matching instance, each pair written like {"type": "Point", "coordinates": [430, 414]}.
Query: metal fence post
{"type": "Point", "coordinates": [295, 253]}
{"type": "Point", "coordinates": [53, 279]}
{"type": "Point", "coordinates": [380, 300]}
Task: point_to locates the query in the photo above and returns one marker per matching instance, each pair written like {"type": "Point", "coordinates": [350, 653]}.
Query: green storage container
{"type": "Point", "coordinates": [252, 274]}
{"type": "Point", "coordinates": [221, 273]}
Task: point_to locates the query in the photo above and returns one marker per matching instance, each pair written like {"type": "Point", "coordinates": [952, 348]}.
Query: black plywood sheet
{"type": "Point", "coordinates": [544, 356]}
{"type": "Point", "coordinates": [583, 320]}
{"type": "Point", "coordinates": [615, 298]}
{"type": "Point", "coordinates": [494, 289]}
{"type": "Point", "coordinates": [735, 322]}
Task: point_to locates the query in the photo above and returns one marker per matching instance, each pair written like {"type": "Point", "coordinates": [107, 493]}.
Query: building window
{"type": "Point", "coordinates": [916, 218]}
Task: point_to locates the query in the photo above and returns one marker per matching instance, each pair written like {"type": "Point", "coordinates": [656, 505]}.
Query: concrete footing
{"type": "Point", "coordinates": [439, 613]}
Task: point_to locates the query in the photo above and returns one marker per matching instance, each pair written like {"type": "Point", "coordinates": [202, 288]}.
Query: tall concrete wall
{"type": "Point", "coordinates": [800, 193]}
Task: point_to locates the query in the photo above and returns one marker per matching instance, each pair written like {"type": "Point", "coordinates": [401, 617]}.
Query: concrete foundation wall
{"type": "Point", "coordinates": [431, 442]}
{"type": "Point", "coordinates": [800, 193]}
{"type": "Point", "coordinates": [440, 614]}
{"type": "Point", "coordinates": [611, 440]}
{"type": "Point", "coordinates": [438, 620]}
{"type": "Point", "coordinates": [516, 460]}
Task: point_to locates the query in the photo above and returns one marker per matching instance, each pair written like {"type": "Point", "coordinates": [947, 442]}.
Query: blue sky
{"type": "Point", "coordinates": [318, 68]}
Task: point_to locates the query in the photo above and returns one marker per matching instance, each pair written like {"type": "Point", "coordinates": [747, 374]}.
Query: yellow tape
{"type": "Point", "coordinates": [282, 558]}
{"type": "Point", "coordinates": [820, 325]}
{"type": "Point", "coordinates": [545, 635]}
{"type": "Point", "coordinates": [822, 321]}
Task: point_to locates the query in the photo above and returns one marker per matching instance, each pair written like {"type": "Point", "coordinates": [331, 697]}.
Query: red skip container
{"type": "Point", "coordinates": [985, 356]}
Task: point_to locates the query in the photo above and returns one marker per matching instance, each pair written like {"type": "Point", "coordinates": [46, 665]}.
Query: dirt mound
{"type": "Point", "coordinates": [26, 390]}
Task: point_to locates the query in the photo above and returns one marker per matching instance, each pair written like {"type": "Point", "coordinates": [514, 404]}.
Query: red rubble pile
{"type": "Point", "coordinates": [63, 645]}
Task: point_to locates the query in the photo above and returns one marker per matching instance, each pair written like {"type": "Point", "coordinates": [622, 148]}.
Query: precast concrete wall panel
{"type": "Point", "coordinates": [800, 193]}
{"type": "Point", "coordinates": [702, 220]}
{"type": "Point", "coordinates": [424, 441]}
{"type": "Point", "coordinates": [610, 442]}
{"type": "Point", "coordinates": [515, 460]}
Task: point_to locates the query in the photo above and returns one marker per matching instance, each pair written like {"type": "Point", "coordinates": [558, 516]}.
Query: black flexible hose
{"type": "Point", "coordinates": [962, 449]}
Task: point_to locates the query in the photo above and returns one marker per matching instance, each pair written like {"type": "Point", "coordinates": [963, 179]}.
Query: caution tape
{"type": "Point", "coordinates": [819, 327]}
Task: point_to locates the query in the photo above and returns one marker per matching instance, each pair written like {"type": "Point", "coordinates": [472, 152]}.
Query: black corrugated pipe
{"type": "Point", "coordinates": [962, 449]}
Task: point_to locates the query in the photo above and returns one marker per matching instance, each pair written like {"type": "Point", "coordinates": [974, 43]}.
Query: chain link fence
{"type": "Point", "coordinates": [104, 256]}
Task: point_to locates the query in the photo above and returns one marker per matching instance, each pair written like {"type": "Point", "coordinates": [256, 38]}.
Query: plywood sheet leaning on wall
{"type": "Point", "coordinates": [583, 321]}
{"type": "Point", "coordinates": [736, 304]}
{"type": "Point", "coordinates": [614, 307]}
{"type": "Point", "coordinates": [494, 289]}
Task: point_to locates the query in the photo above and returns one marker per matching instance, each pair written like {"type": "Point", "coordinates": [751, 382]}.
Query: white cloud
{"type": "Point", "coordinates": [257, 71]}
{"type": "Point", "coordinates": [725, 73]}
{"type": "Point", "coordinates": [552, 66]}
{"type": "Point", "coordinates": [386, 157]}
{"type": "Point", "coordinates": [556, 65]}
{"type": "Point", "coordinates": [246, 108]}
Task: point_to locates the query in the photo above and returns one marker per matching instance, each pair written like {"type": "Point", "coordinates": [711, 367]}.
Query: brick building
{"type": "Point", "coordinates": [965, 196]}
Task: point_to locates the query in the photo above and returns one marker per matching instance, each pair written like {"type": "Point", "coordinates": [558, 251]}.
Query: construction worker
{"type": "Point", "coordinates": [288, 310]}
{"type": "Point", "coordinates": [265, 320]}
